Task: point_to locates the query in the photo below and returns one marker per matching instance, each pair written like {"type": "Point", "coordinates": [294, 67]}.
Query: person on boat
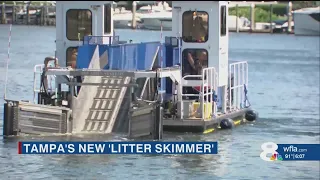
{"type": "Point", "coordinates": [195, 61]}
{"type": "Point", "coordinates": [197, 65]}
{"type": "Point", "coordinates": [47, 66]}
{"type": "Point", "coordinates": [195, 27]}
{"type": "Point", "coordinates": [199, 31]}
{"type": "Point", "coordinates": [73, 59]}
{"type": "Point", "coordinates": [44, 79]}
{"type": "Point", "coordinates": [47, 60]}
{"type": "Point", "coordinates": [73, 64]}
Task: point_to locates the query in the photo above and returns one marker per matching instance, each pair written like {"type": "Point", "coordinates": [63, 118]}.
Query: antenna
{"type": "Point", "coordinates": [161, 63]}
{"type": "Point", "coordinates": [179, 39]}
{"type": "Point", "coordinates": [179, 48]}
{"type": "Point", "coordinates": [8, 59]}
{"type": "Point", "coordinates": [161, 43]}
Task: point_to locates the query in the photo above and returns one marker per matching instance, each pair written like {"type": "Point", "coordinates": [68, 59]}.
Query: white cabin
{"type": "Point", "coordinates": [196, 23]}
{"type": "Point", "coordinates": [76, 19]}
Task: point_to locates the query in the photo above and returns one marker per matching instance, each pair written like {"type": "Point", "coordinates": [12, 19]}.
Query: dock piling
{"type": "Point", "coordinates": [134, 8]}
{"type": "Point", "coordinates": [45, 14]}
{"type": "Point", "coordinates": [252, 23]}
{"type": "Point", "coordinates": [237, 17]}
{"type": "Point", "coordinates": [271, 12]}
{"type": "Point", "coordinates": [14, 16]}
{"type": "Point", "coordinates": [42, 21]}
{"type": "Point", "coordinates": [28, 14]}
{"type": "Point", "coordinates": [3, 14]}
{"type": "Point", "coordinates": [289, 17]}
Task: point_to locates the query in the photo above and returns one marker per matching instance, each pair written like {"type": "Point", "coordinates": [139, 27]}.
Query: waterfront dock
{"type": "Point", "coordinates": [44, 15]}
{"type": "Point", "coordinates": [21, 14]}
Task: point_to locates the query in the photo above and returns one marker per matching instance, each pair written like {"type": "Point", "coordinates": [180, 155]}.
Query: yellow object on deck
{"type": "Point", "coordinates": [237, 122]}
{"type": "Point", "coordinates": [207, 110]}
{"type": "Point", "coordinates": [208, 131]}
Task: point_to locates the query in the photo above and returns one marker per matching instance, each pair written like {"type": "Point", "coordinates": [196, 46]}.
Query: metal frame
{"type": "Point", "coordinates": [94, 40]}
{"type": "Point", "coordinates": [163, 72]}
{"type": "Point", "coordinates": [38, 70]}
{"type": "Point", "coordinates": [172, 73]}
{"type": "Point", "coordinates": [239, 70]}
{"type": "Point", "coordinates": [209, 78]}
{"type": "Point", "coordinates": [35, 73]}
{"type": "Point", "coordinates": [40, 119]}
{"type": "Point", "coordinates": [147, 79]}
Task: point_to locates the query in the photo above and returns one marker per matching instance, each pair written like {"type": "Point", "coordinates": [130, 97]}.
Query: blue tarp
{"type": "Point", "coordinates": [125, 57]}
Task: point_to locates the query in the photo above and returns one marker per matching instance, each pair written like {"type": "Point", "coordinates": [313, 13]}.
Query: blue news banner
{"type": "Point", "coordinates": [299, 152]}
{"type": "Point", "coordinates": [117, 147]}
{"type": "Point", "coordinates": [290, 152]}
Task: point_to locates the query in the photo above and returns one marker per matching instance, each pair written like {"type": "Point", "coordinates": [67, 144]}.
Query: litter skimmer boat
{"type": "Point", "coordinates": [102, 85]}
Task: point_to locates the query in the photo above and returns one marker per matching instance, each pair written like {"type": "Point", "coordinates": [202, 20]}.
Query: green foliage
{"type": "Point", "coordinates": [277, 9]}
{"type": "Point", "coordinates": [304, 4]}
{"type": "Point", "coordinates": [261, 15]}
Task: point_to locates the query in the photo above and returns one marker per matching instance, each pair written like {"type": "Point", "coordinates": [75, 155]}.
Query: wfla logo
{"type": "Point", "coordinates": [270, 148]}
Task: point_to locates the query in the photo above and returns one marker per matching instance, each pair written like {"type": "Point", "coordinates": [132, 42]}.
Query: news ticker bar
{"type": "Point", "coordinates": [290, 152]}
{"type": "Point", "coordinates": [270, 151]}
{"type": "Point", "coordinates": [118, 148]}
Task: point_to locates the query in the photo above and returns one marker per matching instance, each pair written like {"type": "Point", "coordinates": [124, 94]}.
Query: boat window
{"type": "Point", "coordinates": [316, 16]}
{"type": "Point", "coordinates": [194, 60]}
{"type": "Point", "coordinates": [223, 21]}
{"type": "Point", "coordinates": [107, 18]}
{"type": "Point", "coordinates": [195, 26]}
{"type": "Point", "coordinates": [79, 24]}
{"type": "Point", "coordinates": [72, 54]}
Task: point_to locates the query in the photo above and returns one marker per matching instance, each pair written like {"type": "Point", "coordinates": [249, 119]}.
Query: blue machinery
{"type": "Point", "coordinates": [132, 57]}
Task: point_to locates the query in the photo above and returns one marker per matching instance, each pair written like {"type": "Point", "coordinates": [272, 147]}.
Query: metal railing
{"type": "Point", "coordinates": [208, 88]}
{"type": "Point", "coordinates": [238, 80]}
{"type": "Point", "coordinates": [99, 40]}
{"type": "Point", "coordinates": [37, 73]}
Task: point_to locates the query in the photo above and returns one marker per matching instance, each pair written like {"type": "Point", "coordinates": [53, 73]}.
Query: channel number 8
{"type": "Point", "coordinates": [268, 148]}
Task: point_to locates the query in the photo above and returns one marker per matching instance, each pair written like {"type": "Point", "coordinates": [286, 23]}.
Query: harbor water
{"type": "Point", "coordinates": [283, 88]}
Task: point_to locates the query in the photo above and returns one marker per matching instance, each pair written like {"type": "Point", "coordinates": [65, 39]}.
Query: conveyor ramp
{"type": "Point", "coordinates": [96, 108]}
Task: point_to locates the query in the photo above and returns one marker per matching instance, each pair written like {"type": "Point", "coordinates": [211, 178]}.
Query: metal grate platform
{"type": "Point", "coordinates": [106, 104]}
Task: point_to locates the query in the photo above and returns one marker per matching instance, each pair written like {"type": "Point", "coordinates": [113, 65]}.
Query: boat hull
{"type": "Point", "coordinates": [306, 25]}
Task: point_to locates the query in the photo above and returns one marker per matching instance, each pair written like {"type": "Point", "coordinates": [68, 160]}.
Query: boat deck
{"type": "Point", "coordinates": [199, 125]}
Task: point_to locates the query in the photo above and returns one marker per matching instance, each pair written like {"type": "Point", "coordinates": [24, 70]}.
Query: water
{"type": "Point", "coordinates": [284, 88]}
